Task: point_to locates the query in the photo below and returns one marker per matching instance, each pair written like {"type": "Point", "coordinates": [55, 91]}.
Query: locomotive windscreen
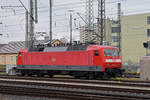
{"type": "Point", "coordinates": [111, 52]}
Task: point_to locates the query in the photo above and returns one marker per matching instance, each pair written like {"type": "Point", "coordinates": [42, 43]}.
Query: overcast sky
{"type": "Point", "coordinates": [13, 19]}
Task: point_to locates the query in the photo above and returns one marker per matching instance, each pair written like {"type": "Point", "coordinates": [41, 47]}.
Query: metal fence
{"type": "Point", "coordinates": [10, 69]}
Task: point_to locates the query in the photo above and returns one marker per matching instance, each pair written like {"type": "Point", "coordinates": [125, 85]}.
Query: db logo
{"type": "Point", "coordinates": [53, 59]}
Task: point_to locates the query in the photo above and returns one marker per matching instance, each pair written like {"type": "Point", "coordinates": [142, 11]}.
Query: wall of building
{"type": "Point", "coordinates": [8, 59]}
{"type": "Point", "coordinates": [134, 33]}
{"type": "Point", "coordinates": [114, 33]}
{"type": "Point", "coordinates": [108, 38]}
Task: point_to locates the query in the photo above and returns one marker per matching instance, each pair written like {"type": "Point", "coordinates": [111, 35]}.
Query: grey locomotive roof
{"type": "Point", "coordinates": [69, 48]}
{"type": "Point", "coordinates": [77, 48]}
{"type": "Point", "coordinates": [55, 49]}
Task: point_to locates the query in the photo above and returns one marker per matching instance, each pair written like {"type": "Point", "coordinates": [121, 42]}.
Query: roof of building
{"type": "Point", "coordinates": [54, 40]}
{"type": "Point", "coordinates": [137, 14]}
{"type": "Point", "coordinates": [1, 45]}
{"type": "Point", "coordinates": [12, 47]}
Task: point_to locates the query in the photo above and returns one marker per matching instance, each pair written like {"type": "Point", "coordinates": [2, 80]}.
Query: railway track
{"type": "Point", "coordinates": [73, 89]}
{"type": "Point", "coordinates": [68, 95]}
{"type": "Point", "coordinates": [131, 75]}
{"type": "Point", "coordinates": [108, 82]}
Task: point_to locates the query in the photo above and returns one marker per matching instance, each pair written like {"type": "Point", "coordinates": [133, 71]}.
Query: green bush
{"type": "Point", "coordinates": [2, 68]}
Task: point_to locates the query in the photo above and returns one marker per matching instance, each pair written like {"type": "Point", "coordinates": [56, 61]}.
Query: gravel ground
{"type": "Point", "coordinates": [13, 97]}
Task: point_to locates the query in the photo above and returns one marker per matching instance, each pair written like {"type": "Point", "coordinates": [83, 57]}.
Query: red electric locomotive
{"type": "Point", "coordinates": [91, 61]}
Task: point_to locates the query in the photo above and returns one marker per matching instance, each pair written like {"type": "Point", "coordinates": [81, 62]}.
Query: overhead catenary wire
{"type": "Point", "coordinates": [60, 6]}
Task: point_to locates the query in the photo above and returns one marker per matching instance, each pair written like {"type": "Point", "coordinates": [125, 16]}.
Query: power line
{"type": "Point", "coordinates": [68, 4]}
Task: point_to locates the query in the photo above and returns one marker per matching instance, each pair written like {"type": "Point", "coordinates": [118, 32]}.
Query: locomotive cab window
{"type": "Point", "coordinates": [96, 53]}
{"type": "Point", "coordinates": [111, 52]}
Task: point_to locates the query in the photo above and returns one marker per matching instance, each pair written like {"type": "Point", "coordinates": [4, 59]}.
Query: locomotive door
{"type": "Point", "coordinates": [97, 58]}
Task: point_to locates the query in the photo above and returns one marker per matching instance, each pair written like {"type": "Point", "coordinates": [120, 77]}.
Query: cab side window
{"type": "Point", "coordinates": [96, 53]}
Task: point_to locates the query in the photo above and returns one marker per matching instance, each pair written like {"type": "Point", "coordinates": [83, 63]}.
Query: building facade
{"type": "Point", "coordinates": [114, 33]}
{"type": "Point", "coordinates": [135, 31]}
{"type": "Point", "coordinates": [8, 53]}
{"type": "Point", "coordinates": [84, 34]}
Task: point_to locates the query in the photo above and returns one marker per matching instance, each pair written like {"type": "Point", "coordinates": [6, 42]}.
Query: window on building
{"type": "Point", "coordinates": [115, 30]}
{"type": "Point", "coordinates": [3, 59]}
{"type": "Point", "coordinates": [148, 19]}
{"type": "Point", "coordinates": [11, 59]}
{"type": "Point", "coordinates": [115, 38]}
{"type": "Point", "coordinates": [148, 32]}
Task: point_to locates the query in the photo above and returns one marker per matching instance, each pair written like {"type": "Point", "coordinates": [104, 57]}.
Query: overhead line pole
{"type": "Point", "coordinates": [26, 9]}
{"type": "Point", "coordinates": [90, 20]}
{"type": "Point", "coordinates": [70, 24]}
{"type": "Point", "coordinates": [50, 4]}
{"type": "Point", "coordinates": [29, 37]}
{"type": "Point", "coordinates": [70, 28]}
{"type": "Point", "coordinates": [119, 26]}
{"type": "Point", "coordinates": [27, 31]}
{"type": "Point", "coordinates": [101, 20]}
{"type": "Point", "coordinates": [36, 12]}
{"type": "Point", "coordinates": [31, 25]}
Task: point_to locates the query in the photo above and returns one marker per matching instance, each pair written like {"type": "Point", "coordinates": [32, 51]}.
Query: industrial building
{"type": "Point", "coordinates": [135, 29]}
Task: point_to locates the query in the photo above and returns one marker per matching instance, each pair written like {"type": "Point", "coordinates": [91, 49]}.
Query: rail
{"type": "Point", "coordinates": [73, 89]}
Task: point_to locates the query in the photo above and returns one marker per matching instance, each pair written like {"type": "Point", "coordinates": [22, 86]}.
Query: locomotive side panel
{"type": "Point", "coordinates": [57, 58]}
{"type": "Point", "coordinates": [79, 58]}
{"type": "Point", "coordinates": [71, 61]}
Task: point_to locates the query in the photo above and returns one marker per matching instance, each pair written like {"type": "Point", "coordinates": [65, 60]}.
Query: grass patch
{"type": "Point", "coordinates": [2, 73]}
{"type": "Point", "coordinates": [128, 79]}
{"type": "Point", "coordinates": [65, 76]}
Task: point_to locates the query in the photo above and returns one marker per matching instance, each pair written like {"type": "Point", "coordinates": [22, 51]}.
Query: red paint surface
{"type": "Point", "coordinates": [72, 58]}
